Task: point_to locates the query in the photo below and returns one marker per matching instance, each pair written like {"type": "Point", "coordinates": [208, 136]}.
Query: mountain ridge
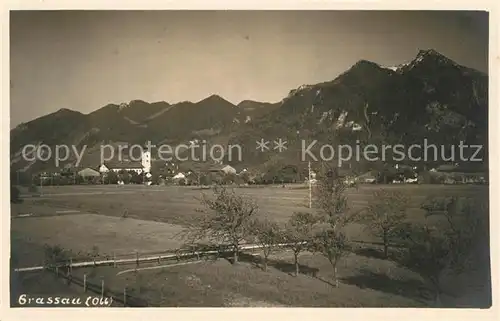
{"type": "Point", "coordinates": [430, 95]}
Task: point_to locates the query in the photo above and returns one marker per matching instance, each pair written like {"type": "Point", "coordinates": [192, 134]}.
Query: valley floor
{"type": "Point", "coordinates": [86, 219]}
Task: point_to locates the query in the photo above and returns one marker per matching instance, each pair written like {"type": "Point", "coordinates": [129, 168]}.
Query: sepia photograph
{"type": "Point", "coordinates": [231, 158]}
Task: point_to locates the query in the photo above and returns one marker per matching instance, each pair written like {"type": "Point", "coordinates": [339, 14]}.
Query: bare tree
{"type": "Point", "coordinates": [430, 250]}
{"type": "Point", "coordinates": [298, 232]}
{"type": "Point", "coordinates": [334, 215]}
{"type": "Point", "coordinates": [384, 215]}
{"type": "Point", "coordinates": [331, 200]}
{"type": "Point", "coordinates": [268, 235]}
{"type": "Point", "coordinates": [227, 220]}
{"type": "Point", "coordinates": [333, 245]}
{"type": "Point", "coordinates": [54, 254]}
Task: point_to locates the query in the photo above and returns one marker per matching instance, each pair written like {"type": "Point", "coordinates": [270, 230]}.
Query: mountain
{"type": "Point", "coordinates": [430, 97]}
{"type": "Point", "coordinates": [66, 121]}
{"type": "Point", "coordinates": [251, 111]}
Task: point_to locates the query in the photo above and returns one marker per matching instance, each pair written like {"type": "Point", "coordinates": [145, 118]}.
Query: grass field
{"type": "Point", "coordinates": [154, 214]}
{"type": "Point", "coordinates": [84, 217]}
{"type": "Point", "coordinates": [218, 283]}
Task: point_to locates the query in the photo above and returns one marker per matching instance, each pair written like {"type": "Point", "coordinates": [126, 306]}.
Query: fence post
{"type": "Point", "coordinates": [102, 288]}
{"type": "Point", "coordinates": [114, 259]}
{"type": "Point", "coordinates": [85, 282]}
{"type": "Point", "coordinates": [159, 259]}
{"type": "Point", "coordinates": [57, 270]}
{"type": "Point", "coordinates": [125, 296]}
{"type": "Point", "coordinates": [68, 277]}
{"type": "Point", "coordinates": [137, 258]}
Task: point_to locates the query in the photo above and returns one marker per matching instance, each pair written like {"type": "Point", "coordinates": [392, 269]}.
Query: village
{"type": "Point", "coordinates": [150, 171]}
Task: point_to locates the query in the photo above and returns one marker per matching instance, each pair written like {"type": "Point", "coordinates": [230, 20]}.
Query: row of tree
{"type": "Point", "coordinates": [111, 177]}
{"type": "Point", "coordinates": [231, 220]}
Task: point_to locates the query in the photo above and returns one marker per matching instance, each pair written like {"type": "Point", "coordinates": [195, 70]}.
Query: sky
{"type": "Point", "coordinates": [83, 60]}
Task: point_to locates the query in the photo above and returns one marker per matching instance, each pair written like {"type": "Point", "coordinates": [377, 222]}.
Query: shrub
{"type": "Point", "coordinates": [384, 215]}
{"type": "Point", "coordinates": [15, 195]}
{"type": "Point", "coordinates": [430, 250]}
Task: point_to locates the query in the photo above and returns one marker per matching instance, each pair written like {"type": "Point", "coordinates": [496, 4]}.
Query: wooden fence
{"type": "Point", "coordinates": [64, 269]}
{"type": "Point", "coordinates": [123, 298]}
{"type": "Point", "coordinates": [149, 258]}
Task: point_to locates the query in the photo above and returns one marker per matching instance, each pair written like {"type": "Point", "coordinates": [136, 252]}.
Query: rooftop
{"type": "Point", "coordinates": [125, 164]}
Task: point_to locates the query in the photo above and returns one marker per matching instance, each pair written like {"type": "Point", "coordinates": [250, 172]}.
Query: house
{"type": "Point", "coordinates": [449, 180]}
{"type": "Point", "coordinates": [127, 166]}
{"type": "Point", "coordinates": [312, 181]}
{"type": "Point", "coordinates": [446, 168]}
{"type": "Point", "coordinates": [179, 176]}
{"type": "Point", "coordinates": [411, 180]}
{"type": "Point", "coordinates": [89, 173]}
{"type": "Point", "coordinates": [226, 169]}
{"type": "Point", "coordinates": [460, 174]}
{"type": "Point", "coordinates": [142, 166]}
{"type": "Point", "coordinates": [405, 169]}
{"type": "Point", "coordinates": [367, 178]}
{"type": "Point", "coordinates": [311, 178]}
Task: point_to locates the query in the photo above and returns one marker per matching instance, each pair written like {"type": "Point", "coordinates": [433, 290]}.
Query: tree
{"type": "Point", "coordinates": [238, 180]}
{"type": "Point", "coordinates": [333, 245]}
{"type": "Point", "coordinates": [54, 254]}
{"type": "Point", "coordinates": [268, 235]}
{"type": "Point", "coordinates": [15, 194]}
{"type": "Point", "coordinates": [111, 177]}
{"type": "Point", "coordinates": [331, 200]}
{"type": "Point", "coordinates": [272, 171]}
{"type": "Point", "coordinates": [216, 178]}
{"type": "Point", "coordinates": [124, 176]}
{"type": "Point", "coordinates": [245, 177]}
{"type": "Point", "coordinates": [272, 176]}
{"type": "Point", "coordinates": [229, 178]}
{"type": "Point", "coordinates": [431, 249]}
{"type": "Point", "coordinates": [95, 251]}
{"type": "Point", "coordinates": [192, 178]}
{"type": "Point", "coordinates": [20, 178]}
{"type": "Point", "coordinates": [298, 232]}
{"type": "Point", "coordinates": [205, 180]}
{"type": "Point", "coordinates": [385, 214]}
{"type": "Point", "coordinates": [334, 215]}
{"type": "Point", "coordinates": [94, 254]}
{"type": "Point", "coordinates": [385, 172]}
{"type": "Point", "coordinates": [136, 178]}
{"type": "Point", "coordinates": [33, 189]}
{"type": "Point", "coordinates": [78, 179]}
{"type": "Point", "coordinates": [228, 220]}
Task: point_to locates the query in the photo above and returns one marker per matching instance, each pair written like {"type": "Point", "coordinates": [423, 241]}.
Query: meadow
{"type": "Point", "coordinates": [116, 220]}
